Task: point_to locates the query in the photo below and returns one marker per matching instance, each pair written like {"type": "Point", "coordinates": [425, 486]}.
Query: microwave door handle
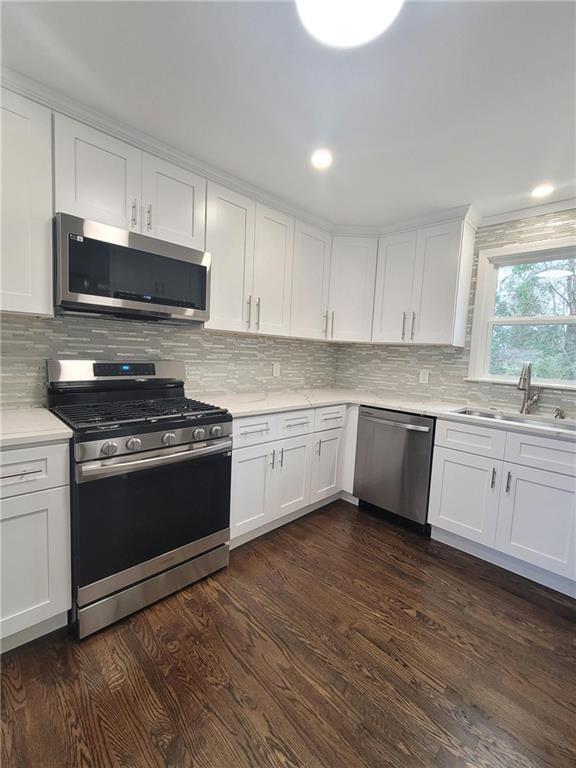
{"type": "Point", "coordinates": [90, 471]}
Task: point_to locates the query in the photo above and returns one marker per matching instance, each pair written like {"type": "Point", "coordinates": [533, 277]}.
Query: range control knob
{"type": "Point", "coordinates": [199, 433]}
{"type": "Point", "coordinates": [216, 431]}
{"type": "Point", "coordinates": [134, 444]}
{"type": "Point", "coordinates": [168, 438]}
{"type": "Point", "coordinates": [109, 448]}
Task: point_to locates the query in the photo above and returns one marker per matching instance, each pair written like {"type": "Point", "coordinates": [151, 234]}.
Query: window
{"type": "Point", "coordinates": [525, 310]}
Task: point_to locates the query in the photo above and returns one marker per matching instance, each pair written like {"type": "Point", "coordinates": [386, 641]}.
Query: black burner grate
{"type": "Point", "coordinates": [133, 411]}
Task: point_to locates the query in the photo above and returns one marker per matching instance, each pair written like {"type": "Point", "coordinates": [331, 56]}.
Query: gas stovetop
{"type": "Point", "coordinates": [108, 414]}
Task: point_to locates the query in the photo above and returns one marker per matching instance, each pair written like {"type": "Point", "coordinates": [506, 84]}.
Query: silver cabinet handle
{"type": "Point", "coordinates": [245, 432]}
{"type": "Point", "coordinates": [91, 471]}
{"type": "Point", "coordinates": [22, 474]}
{"type": "Point", "coordinates": [508, 482]}
{"type": "Point", "coordinates": [149, 217]}
{"type": "Point", "coordinates": [134, 213]}
{"type": "Point", "coordinates": [325, 324]}
{"type": "Point", "coordinates": [319, 447]}
{"type": "Point", "coordinates": [412, 327]}
{"type": "Point", "coordinates": [403, 325]}
{"type": "Point", "coordinates": [258, 308]}
{"type": "Point", "coordinates": [331, 418]}
{"type": "Point", "coordinates": [493, 481]}
{"type": "Point", "coordinates": [273, 462]}
{"type": "Point", "coordinates": [399, 424]}
{"type": "Point", "coordinates": [282, 457]}
{"type": "Point", "coordinates": [249, 303]}
{"type": "Point", "coordinates": [298, 423]}
{"type": "Point", "coordinates": [332, 333]}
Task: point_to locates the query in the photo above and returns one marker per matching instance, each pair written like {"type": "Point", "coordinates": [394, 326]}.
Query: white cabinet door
{"type": "Point", "coordinates": [325, 464]}
{"type": "Point", "coordinates": [435, 284]}
{"type": "Point", "coordinates": [351, 296]}
{"type": "Point", "coordinates": [273, 259]}
{"type": "Point", "coordinates": [35, 563]}
{"type": "Point", "coordinates": [26, 271]}
{"type": "Point", "coordinates": [173, 203]}
{"type": "Point", "coordinates": [537, 518]}
{"type": "Point", "coordinates": [291, 474]}
{"type": "Point", "coordinates": [251, 495]}
{"type": "Point", "coordinates": [310, 283]}
{"type": "Point", "coordinates": [96, 176]}
{"type": "Point", "coordinates": [394, 280]}
{"type": "Point", "coordinates": [464, 492]}
{"type": "Point", "coordinates": [230, 220]}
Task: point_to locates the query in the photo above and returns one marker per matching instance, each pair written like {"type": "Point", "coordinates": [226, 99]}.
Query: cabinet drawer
{"type": "Point", "coordinates": [328, 418]}
{"type": "Point", "coordinates": [481, 441]}
{"type": "Point", "coordinates": [24, 470]}
{"type": "Point", "coordinates": [295, 423]}
{"type": "Point", "coordinates": [253, 430]}
{"type": "Point", "coordinates": [541, 452]}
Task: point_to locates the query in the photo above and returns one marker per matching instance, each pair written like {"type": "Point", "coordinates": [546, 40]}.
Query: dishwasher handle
{"type": "Point", "coordinates": [399, 424]}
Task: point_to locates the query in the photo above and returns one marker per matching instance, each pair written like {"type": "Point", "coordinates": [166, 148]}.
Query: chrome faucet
{"type": "Point", "coordinates": [531, 394]}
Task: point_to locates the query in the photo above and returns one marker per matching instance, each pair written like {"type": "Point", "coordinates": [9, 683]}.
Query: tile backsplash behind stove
{"type": "Point", "coordinates": [215, 362]}
{"type": "Point", "coordinates": [226, 363]}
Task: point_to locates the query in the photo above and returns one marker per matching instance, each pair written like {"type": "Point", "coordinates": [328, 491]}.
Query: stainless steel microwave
{"type": "Point", "coordinates": [104, 269]}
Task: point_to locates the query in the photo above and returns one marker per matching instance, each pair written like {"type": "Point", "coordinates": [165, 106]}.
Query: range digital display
{"type": "Point", "coordinates": [124, 369]}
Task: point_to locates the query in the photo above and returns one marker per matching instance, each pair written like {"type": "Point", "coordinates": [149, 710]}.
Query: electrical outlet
{"type": "Point", "coordinates": [276, 370]}
{"type": "Point", "coordinates": [424, 376]}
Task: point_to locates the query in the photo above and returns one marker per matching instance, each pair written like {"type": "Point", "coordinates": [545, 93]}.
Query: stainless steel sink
{"type": "Point", "coordinates": [558, 424]}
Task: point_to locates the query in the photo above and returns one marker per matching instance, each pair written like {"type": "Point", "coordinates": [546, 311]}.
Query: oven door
{"type": "Point", "coordinates": [106, 269]}
{"type": "Point", "coordinates": [134, 517]}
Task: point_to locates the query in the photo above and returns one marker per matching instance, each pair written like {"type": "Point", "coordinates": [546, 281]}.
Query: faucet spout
{"type": "Point", "coordinates": [531, 394]}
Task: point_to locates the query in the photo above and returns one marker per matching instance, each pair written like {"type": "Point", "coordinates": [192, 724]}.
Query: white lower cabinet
{"type": "Point", "coordinates": [515, 508]}
{"type": "Point", "coordinates": [250, 501]}
{"type": "Point", "coordinates": [325, 467]}
{"type": "Point", "coordinates": [537, 519]}
{"type": "Point", "coordinates": [35, 548]}
{"type": "Point", "coordinates": [292, 467]}
{"type": "Point", "coordinates": [464, 494]}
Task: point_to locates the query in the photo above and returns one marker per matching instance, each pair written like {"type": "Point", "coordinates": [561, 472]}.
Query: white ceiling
{"type": "Point", "coordinates": [458, 102]}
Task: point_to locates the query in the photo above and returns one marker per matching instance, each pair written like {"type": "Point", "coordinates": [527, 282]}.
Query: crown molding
{"type": "Point", "coordinates": [528, 213]}
{"type": "Point", "coordinates": [58, 102]}
{"type": "Point", "coordinates": [466, 212]}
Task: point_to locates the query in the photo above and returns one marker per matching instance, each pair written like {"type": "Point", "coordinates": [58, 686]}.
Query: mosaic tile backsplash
{"type": "Point", "coordinates": [223, 362]}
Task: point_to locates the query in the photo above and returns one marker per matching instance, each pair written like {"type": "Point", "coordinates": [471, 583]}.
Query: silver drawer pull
{"type": "Point", "coordinates": [298, 423]}
{"type": "Point", "coordinates": [245, 432]}
{"type": "Point", "coordinates": [399, 424]}
{"type": "Point", "coordinates": [331, 418]}
{"type": "Point", "coordinates": [22, 474]}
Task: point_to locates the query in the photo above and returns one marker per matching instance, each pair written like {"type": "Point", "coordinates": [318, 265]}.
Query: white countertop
{"type": "Point", "coordinates": [255, 403]}
{"type": "Point", "coordinates": [30, 426]}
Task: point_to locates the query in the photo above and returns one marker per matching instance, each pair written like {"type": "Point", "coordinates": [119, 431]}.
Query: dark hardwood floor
{"type": "Point", "coordinates": [336, 642]}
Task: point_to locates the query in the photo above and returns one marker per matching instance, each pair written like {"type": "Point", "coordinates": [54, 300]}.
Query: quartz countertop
{"type": "Point", "coordinates": [30, 426]}
{"type": "Point", "coordinates": [255, 403]}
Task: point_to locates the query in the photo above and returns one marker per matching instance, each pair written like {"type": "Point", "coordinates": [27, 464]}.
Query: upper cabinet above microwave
{"type": "Point", "coordinates": [103, 179]}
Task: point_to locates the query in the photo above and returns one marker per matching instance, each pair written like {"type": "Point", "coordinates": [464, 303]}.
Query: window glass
{"type": "Point", "coordinates": [550, 348]}
{"type": "Point", "coordinates": [546, 289]}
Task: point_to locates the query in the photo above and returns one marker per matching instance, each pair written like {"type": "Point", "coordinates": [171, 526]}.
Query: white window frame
{"type": "Point", "coordinates": [488, 262]}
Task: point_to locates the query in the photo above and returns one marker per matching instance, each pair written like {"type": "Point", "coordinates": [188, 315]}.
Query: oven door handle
{"type": "Point", "coordinates": [101, 470]}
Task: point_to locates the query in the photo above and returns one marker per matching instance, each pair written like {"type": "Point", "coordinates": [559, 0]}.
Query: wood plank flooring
{"type": "Point", "coordinates": [337, 641]}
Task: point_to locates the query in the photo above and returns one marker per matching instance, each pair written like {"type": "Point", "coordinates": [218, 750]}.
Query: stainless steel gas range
{"type": "Point", "coordinates": [150, 484]}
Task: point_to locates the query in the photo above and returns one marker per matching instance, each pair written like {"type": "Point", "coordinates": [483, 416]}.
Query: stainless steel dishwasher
{"type": "Point", "coordinates": [393, 461]}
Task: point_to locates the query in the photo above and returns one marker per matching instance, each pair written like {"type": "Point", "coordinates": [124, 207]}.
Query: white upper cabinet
{"type": "Point", "coordinates": [173, 203]}
{"type": "Point", "coordinates": [436, 276]}
{"type": "Point", "coordinates": [310, 283]}
{"type": "Point", "coordinates": [26, 207]}
{"type": "Point", "coordinates": [423, 285]}
{"type": "Point", "coordinates": [351, 294]}
{"type": "Point", "coordinates": [393, 296]}
{"type": "Point", "coordinates": [96, 176]}
{"type": "Point", "coordinates": [273, 259]}
{"type": "Point", "coordinates": [230, 221]}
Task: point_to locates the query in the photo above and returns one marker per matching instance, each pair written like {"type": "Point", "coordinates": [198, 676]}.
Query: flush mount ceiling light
{"type": "Point", "coordinates": [347, 23]}
{"type": "Point", "coordinates": [321, 159]}
{"type": "Point", "coordinates": [542, 190]}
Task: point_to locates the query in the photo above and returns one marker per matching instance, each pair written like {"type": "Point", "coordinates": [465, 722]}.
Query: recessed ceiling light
{"type": "Point", "coordinates": [321, 159]}
{"type": "Point", "coordinates": [347, 23]}
{"type": "Point", "coordinates": [542, 190]}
